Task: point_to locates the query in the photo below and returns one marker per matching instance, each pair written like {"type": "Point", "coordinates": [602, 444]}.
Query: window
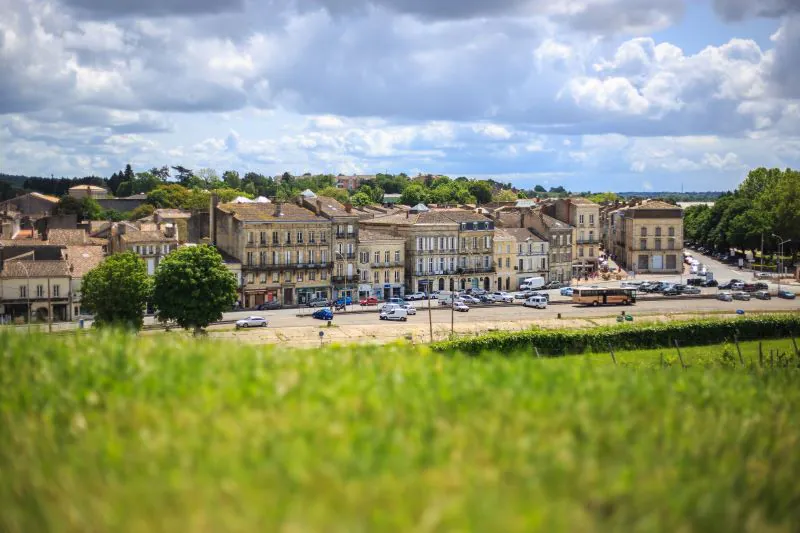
{"type": "Point", "coordinates": [542, 250]}
{"type": "Point", "coordinates": [288, 258]}
{"type": "Point", "coordinates": [263, 238]}
{"type": "Point", "coordinates": [251, 278]}
{"type": "Point", "coordinates": [299, 277]}
{"type": "Point", "coordinates": [249, 237]}
{"type": "Point", "coordinates": [591, 219]}
{"type": "Point", "coordinates": [508, 248]}
{"type": "Point", "coordinates": [419, 244]}
{"type": "Point", "coordinates": [397, 256]}
{"type": "Point", "coordinates": [387, 256]}
{"type": "Point", "coordinates": [263, 277]}
{"type": "Point", "coordinates": [580, 219]}
{"type": "Point", "coordinates": [262, 258]}
{"type": "Point", "coordinates": [441, 243]}
{"type": "Point", "coordinates": [312, 256]}
{"type": "Point", "coordinates": [274, 257]}
{"type": "Point", "coordinates": [508, 262]}
{"type": "Point", "coordinates": [670, 244]}
{"type": "Point", "coordinates": [396, 276]}
{"type": "Point", "coordinates": [276, 277]}
{"type": "Point", "coordinates": [486, 261]}
{"type": "Point", "coordinates": [419, 265]}
{"type": "Point", "coordinates": [544, 264]}
{"type": "Point", "coordinates": [376, 257]}
{"type": "Point", "coordinates": [364, 275]}
{"type": "Point", "coordinates": [487, 241]}
{"type": "Point", "coordinates": [474, 243]}
{"type": "Point", "coordinates": [287, 276]}
{"type": "Point", "coordinates": [569, 239]}
{"type": "Point", "coordinates": [658, 232]}
{"type": "Point", "coordinates": [349, 229]}
{"type": "Point", "coordinates": [350, 250]}
{"type": "Point", "coordinates": [386, 276]}
{"type": "Point", "coordinates": [591, 252]}
{"type": "Point", "coordinates": [300, 257]}
{"type": "Point", "coordinates": [274, 237]}
{"type": "Point", "coordinates": [430, 264]}
{"type": "Point", "coordinates": [323, 237]}
{"type": "Point", "coordinates": [23, 292]}
{"type": "Point", "coordinates": [323, 275]}
{"type": "Point", "coordinates": [299, 237]}
{"type": "Point", "coordinates": [288, 237]}
{"type": "Point", "coordinates": [339, 270]}
{"type": "Point", "coordinates": [312, 275]}
{"type": "Point", "coordinates": [441, 264]}
{"type": "Point", "coordinates": [463, 243]}
{"type": "Point", "coordinates": [249, 258]}
{"type": "Point", "coordinates": [340, 248]}
{"type": "Point", "coordinates": [311, 239]}
{"type": "Point", "coordinates": [324, 256]}
{"type": "Point", "coordinates": [671, 262]}
{"type": "Point", "coordinates": [642, 263]}
{"type": "Point", "coordinates": [644, 232]}
{"type": "Point", "coordinates": [671, 232]}
{"type": "Point", "coordinates": [643, 244]}
{"type": "Point", "coordinates": [580, 251]}
{"type": "Point", "coordinates": [530, 248]}
{"type": "Point", "coordinates": [520, 249]}
{"type": "Point", "coordinates": [658, 244]}
{"type": "Point", "coordinates": [376, 277]}
{"type": "Point", "coordinates": [591, 236]}
{"type": "Point", "coordinates": [581, 237]}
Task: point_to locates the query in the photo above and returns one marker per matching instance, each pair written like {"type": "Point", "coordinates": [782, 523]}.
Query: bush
{"type": "Point", "coordinates": [631, 337]}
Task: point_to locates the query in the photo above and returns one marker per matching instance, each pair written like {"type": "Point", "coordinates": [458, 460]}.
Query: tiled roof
{"type": "Point", "coordinates": [551, 222]}
{"type": "Point", "coordinates": [366, 235]}
{"type": "Point", "coordinates": [435, 216]}
{"type": "Point", "coordinates": [655, 204]}
{"type": "Point", "coordinates": [269, 212]}
{"type": "Point", "coordinates": [34, 269]}
{"type": "Point", "coordinates": [88, 188]}
{"type": "Point", "coordinates": [67, 236]}
{"type": "Point", "coordinates": [582, 201]}
{"type": "Point", "coordinates": [332, 207]}
{"type": "Point", "coordinates": [7, 243]}
{"type": "Point", "coordinates": [522, 234]}
{"type": "Point", "coordinates": [82, 259]}
{"type": "Point", "coordinates": [502, 233]}
{"type": "Point", "coordinates": [46, 197]}
{"type": "Point", "coordinates": [145, 236]}
{"type": "Point", "coordinates": [172, 213]}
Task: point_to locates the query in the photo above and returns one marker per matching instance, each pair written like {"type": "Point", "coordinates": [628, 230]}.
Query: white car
{"type": "Point", "coordinates": [502, 297]}
{"type": "Point", "coordinates": [397, 313]}
{"type": "Point", "coordinates": [537, 302]}
{"type": "Point", "coordinates": [410, 309]}
{"type": "Point", "coordinates": [460, 306]}
{"type": "Point", "coordinates": [252, 322]}
{"type": "Point", "coordinates": [470, 299]}
{"type": "Point", "coordinates": [415, 296]}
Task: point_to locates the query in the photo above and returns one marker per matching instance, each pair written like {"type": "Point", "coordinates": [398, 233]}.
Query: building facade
{"type": "Point", "coordinates": [559, 236]}
{"type": "Point", "coordinates": [35, 290]}
{"type": "Point", "coordinates": [531, 256]}
{"type": "Point", "coordinates": [584, 216]}
{"type": "Point", "coordinates": [381, 265]}
{"type": "Point", "coordinates": [648, 237]}
{"type": "Point", "coordinates": [152, 242]}
{"type": "Point", "coordinates": [285, 251]}
{"type": "Point", "coordinates": [505, 260]}
{"type": "Point", "coordinates": [89, 191]}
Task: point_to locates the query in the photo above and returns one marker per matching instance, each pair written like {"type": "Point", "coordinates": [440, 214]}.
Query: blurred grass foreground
{"type": "Point", "coordinates": [108, 432]}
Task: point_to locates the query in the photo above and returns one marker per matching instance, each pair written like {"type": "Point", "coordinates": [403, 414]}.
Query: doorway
{"type": "Point", "coordinates": [288, 296]}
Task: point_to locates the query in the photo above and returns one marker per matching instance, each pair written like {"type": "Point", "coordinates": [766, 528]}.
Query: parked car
{"type": "Point", "coordinates": [725, 296]}
{"type": "Point", "coordinates": [786, 294]}
{"type": "Point", "coordinates": [252, 322]}
{"type": "Point", "coordinates": [396, 313]}
{"type": "Point", "coordinates": [274, 304]}
{"type": "Point", "coordinates": [470, 299]}
{"type": "Point", "coordinates": [762, 295]}
{"type": "Point", "coordinates": [460, 307]}
{"type": "Point", "coordinates": [729, 284]}
{"type": "Point", "coordinates": [537, 302]}
{"type": "Point", "coordinates": [522, 295]}
{"type": "Point", "coordinates": [486, 299]}
{"type": "Point", "coordinates": [761, 286]}
{"type": "Point", "coordinates": [435, 295]}
{"type": "Point", "coordinates": [415, 296]}
{"type": "Point", "coordinates": [741, 295]}
{"type": "Point", "coordinates": [553, 285]}
{"type": "Point", "coordinates": [346, 300]}
{"type": "Point", "coordinates": [567, 291]}
{"type": "Point", "coordinates": [542, 294]}
{"type": "Point", "coordinates": [749, 287]}
{"type": "Point", "coordinates": [502, 297]}
{"type": "Point", "coordinates": [410, 309]}
{"type": "Point", "coordinates": [323, 314]}
{"type": "Point", "coordinates": [476, 292]}
{"type": "Point", "coordinates": [694, 282]}
{"type": "Point", "coordinates": [318, 302]}
{"type": "Point", "coordinates": [691, 290]}
{"type": "Point", "coordinates": [710, 283]}
{"type": "Point", "coordinates": [395, 300]}
{"type": "Point", "coordinates": [368, 301]}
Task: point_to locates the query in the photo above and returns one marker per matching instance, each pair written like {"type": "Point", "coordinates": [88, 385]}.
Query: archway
{"type": "Point", "coordinates": [486, 284]}
{"type": "Point", "coordinates": [508, 284]}
{"type": "Point", "coordinates": [452, 284]}
{"type": "Point", "coordinates": [441, 284]}
{"type": "Point", "coordinates": [499, 284]}
{"type": "Point", "coordinates": [463, 284]}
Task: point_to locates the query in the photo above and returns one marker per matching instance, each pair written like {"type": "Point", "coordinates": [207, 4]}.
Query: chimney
{"type": "Point", "coordinates": [407, 212]}
{"type": "Point", "coordinates": [348, 207]}
{"type": "Point", "coordinates": [120, 229]}
{"type": "Point", "coordinates": [169, 231]}
{"type": "Point", "coordinates": [278, 209]}
{"type": "Point", "coordinates": [318, 208]}
{"type": "Point", "coordinates": [212, 219]}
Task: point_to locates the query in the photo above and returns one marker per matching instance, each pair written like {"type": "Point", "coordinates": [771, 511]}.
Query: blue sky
{"type": "Point", "coordinates": [590, 94]}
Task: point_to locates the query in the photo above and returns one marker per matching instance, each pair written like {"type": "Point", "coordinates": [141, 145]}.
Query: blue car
{"type": "Point", "coordinates": [323, 314]}
{"type": "Point", "coordinates": [347, 300]}
{"type": "Point", "coordinates": [566, 291]}
{"type": "Point", "coordinates": [787, 295]}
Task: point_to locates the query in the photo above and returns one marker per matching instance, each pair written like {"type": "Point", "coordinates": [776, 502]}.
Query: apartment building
{"type": "Point", "coordinates": [559, 236]}
{"type": "Point", "coordinates": [344, 222]}
{"type": "Point", "coordinates": [285, 250]}
{"type": "Point", "coordinates": [531, 256]}
{"type": "Point", "coordinates": [446, 249]}
{"type": "Point", "coordinates": [648, 237]}
{"type": "Point", "coordinates": [505, 260]}
{"type": "Point", "coordinates": [151, 242]}
{"type": "Point", "coordinates": [584, 216]}
{"type": "Point", "coordinates": [381, 265]}
{"type": "Point", "coordinates": [35, 290]}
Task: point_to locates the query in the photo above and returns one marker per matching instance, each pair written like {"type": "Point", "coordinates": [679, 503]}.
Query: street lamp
{"type": "Point", "coordinates": [781, 242]}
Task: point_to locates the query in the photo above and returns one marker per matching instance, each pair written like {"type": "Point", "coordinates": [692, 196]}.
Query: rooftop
{"type": "Point", "coordinates": [523, 235]}
{"type": "Point", "coordinates": [145, 236]}
{"type": "Point", "coordinates": [254, 212]}
{"type": "Point", "coordinates": [366, 235]}
{"type": "Point", "coordinates": [551, 222]}
{"type": "Point", "coordinates": [435, 216]}
{"type": "Point", "coordinates": [67, 236]}
{"type": "Point", "coordinates": [582, 201]}
{"type": "Point", "coordinates": [172, 213]}
{"type": "Point", "coordinates": [46, 197]}
{"type": "Point", "coordinates": [82, 259]}
{"type": "Point", "coordinates": [88, 188]}
{"type": "Point", "coordinates": [332, 207]}
{"type": "Point", "coordinates": [655, 204]}
{"type": "Point", "coordinates": [24, 268]}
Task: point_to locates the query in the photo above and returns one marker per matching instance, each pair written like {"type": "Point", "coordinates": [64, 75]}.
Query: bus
{"type": "Point", "coordinates": [604, 296]}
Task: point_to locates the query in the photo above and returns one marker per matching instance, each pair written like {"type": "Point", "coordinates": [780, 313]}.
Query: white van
{"type": "Point", "coordinates": [529, 284]}
{"type": "Point", "coordinates": [537, 302]}
{"type": "Point", "coordinates": [396, 313]}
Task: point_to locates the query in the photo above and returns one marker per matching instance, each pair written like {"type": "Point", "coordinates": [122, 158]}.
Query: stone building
{"type": "Point", "coordinates": [381, 264]}
{"type": "Point", "coordinates": [152, 242]}
{"type": "Point", "coordinates": [505, 259]}
{"type": "Point", "coordinates": [89, 191]}
{"type": "Point", "coordinates": [285, 250]}
{"type": "Point", "coordinates": [559, 236]}
{"type": "Point", "coordinates": [35, 289]}
{"type": "Point", "coordinates": [531, 256]}
{"type": "Point", "coordinates": [584, 216]}
{"type": "Point", "coordinates": [648, 237]}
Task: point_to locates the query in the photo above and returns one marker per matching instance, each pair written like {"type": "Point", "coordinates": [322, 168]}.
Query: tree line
{"type": "Point", "coordinates": [766, 204]}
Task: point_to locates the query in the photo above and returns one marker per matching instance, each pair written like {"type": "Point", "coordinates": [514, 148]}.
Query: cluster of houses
{"type": "Point", "coordinates": [318, 248]}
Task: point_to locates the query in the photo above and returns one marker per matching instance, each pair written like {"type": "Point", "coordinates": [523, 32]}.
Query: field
{"type": "Point", "coordinates": [118, 433]}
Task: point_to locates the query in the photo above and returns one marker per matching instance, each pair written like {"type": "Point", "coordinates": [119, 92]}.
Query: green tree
{"type": "Point", "coordinates": [414, 194]}
{"type": "Point", "coordinates": [337, 194]}
{"type": "Point", "coordinates": [539, 188]}
{"type": "Point", "coordinates": [91, 209]}
{"type": "Point", "coordinates": [481, 190]}
{"type": "Point", "coordinates": [602, 197]}
{"type": "Point", "coordinates": [125, 189]}
{"type": "Point", "coordinates": [69, 205]}
{"type": "Point", "coordinates": [505, 196]}
{"type": "Point", "coordinates": [361, 199]}
{"type": "Point", "coordinates": [170, 195]}
{"type": "Point", "coordinates": [231, 179]}
{"type": "Point", "coordinates": [116, 291]}
{"type": "Point", "coordinates": [144, 210]}
{"type": "Point", "coordinates": [193, 287]}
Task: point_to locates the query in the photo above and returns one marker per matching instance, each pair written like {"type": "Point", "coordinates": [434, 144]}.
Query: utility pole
{"type": "Point", "coordinates": [781, 242]}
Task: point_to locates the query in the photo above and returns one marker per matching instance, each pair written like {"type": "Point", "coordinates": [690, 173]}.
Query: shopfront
{"type": "Point", "coordinates": [254, 298]}
{"type": "Point", "coordinates": [386, 291]}
{"type": "Point", "coordinates": [307, 294]}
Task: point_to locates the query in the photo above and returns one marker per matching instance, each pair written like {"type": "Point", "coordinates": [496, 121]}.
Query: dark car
{"type": "Point", "coordinates": [728, 285]}
{"type": "Point", "coordinates": [318, 302]}
{"type": "Point", "coordinates": [486, 299]}
{"type": "Point", "coordinates": [694, 282]}
{"type": "Point", "coordinates": [762, 295]}
{"type": "Point", "coordinates": [749, 287]}
{"type": "Point", "coordinates": [274, 304]}
{"type": "Point", "coordinates": [786, 294]}
{"type": "Point", "coordinates": [761, 286]}
{"type": "Point", "coordinates": [323, 314]}
{"type": "Point", "coordinates": [653, 287]}
{"type": "Point", "coordinates": [710, 283]}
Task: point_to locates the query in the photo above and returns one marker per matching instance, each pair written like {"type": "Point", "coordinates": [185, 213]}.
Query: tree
{"type": "Point", "coordinates": [505, 196]}
{"type": "Point", "coordinates": [481, 190]}
{"type": "Point", "coordinates": [602, 197]}
{"type": "Point", "coordinates": [539, 188]}
{"type": "Point", "coordinates": [125, 189]}
{"type": "Point", "coordinates": [69, 205]}
{"type": "Point", "coordinates": [144, 210]}
{"type": "Point", "coordinates": [128, 175]}
{"type": "Point", "coordinates": [116, 291]}
{"type": "Point", "coordinates": [193, 287]}
{"type": "Point", "coordinates": [558, 189]}
{"type": "Point", "coordinates": [91, 209]}
{"type": "Point", "coordinates": [169, 195]}
{"type": "Point", "coordinates": [337, 194]}
{"type": "Point", "coordinates": [231, 179]}
{"type": "Point", "coordinates": [414, 194]}
{"type": "Point", "coordinates": [361, 199]}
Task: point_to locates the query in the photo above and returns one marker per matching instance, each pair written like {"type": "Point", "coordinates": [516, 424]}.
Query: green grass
{"type": "Point", "coordinates": [152, 434]}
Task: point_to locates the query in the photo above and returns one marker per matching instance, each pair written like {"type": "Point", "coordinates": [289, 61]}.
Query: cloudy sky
{"type": "Point", "coordinates": [591, 94]}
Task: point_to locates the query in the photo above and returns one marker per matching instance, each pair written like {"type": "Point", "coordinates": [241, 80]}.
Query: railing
{"type": "Point", "coordinates": [390, 264]}
{"type": "Point", "coordinates": [344, 279]}
{"type": "Point", "coordinates": [291, 266]}
{"type": "Point", "coordinates": [588, 241]}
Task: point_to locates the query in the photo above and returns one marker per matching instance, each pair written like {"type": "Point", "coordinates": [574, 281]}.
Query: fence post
{"type": "Point", "coordinates": [680, 356]}
{"type": "Point", "coordinates": [611, 349]}
{"type": "Point", "coordinates": [736, 340]}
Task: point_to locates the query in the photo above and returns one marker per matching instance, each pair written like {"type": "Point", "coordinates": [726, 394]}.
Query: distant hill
{"type": "Point", "coordinates": [15, 181]}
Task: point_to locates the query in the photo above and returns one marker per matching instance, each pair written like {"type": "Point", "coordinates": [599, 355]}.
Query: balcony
{"type": "Point", "coordinates": [594, 240]}
{"type": "Point", "coordinates": [345, 279]}
{"type": "Point", "coordinates": [390, 264]}
{"type": "Point", "coordinates": [292, 266]}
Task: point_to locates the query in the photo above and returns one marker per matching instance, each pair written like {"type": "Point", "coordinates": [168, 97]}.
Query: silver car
{"type": "Point", "coordinates": [725, 297]}
{"type": "Point", "coordinates": [741, 295]}
{"type": "Point", "coordinates": [252, 322]}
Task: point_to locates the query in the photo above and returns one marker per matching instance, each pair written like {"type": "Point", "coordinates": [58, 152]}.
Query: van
{"type": "Point", "coordinates": [531, 284]}
{"type": "Point", "coordinates": [537, 302]}
{"type": "Point", "coordinates": [396, 313]}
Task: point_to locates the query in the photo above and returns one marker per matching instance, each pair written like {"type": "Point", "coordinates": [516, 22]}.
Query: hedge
{"type": "Point", "coordinates": [628, 336]}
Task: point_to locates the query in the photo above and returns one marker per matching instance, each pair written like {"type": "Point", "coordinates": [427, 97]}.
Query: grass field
{"type": "Point", "coordinates": [117, 433]}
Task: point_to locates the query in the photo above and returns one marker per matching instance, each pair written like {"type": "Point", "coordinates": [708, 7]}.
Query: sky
{"type": "Point", "coordinates": [623, 95]}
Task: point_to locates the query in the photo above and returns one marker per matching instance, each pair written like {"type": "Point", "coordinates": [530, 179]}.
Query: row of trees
{"type": "Point", "coordinates": [191, 287]}
{"type": "Point", "coordinates": [767, 203]}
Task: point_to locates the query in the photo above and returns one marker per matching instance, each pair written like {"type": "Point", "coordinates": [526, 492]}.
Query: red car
{"type": "Point", "coordinates": [368, 301]}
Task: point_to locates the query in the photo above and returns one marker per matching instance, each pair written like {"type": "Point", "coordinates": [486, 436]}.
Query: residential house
{"type": "Point", "coordinates": [151, 242]}
{"type": "Point", "coordinates": [584, 215]}
{"type": "Point", "coordinates": [345, 222]}
{"type": "Point", "coordinates": [285, 250]}
{"type": "Point", "coordinates": [35, 290]}
{"type": "Point", "coordinates": [381, 264]}
{"type": "Point", "coordinates": [559, 236]}
{"type": "Point", "coordinates": [80, 260]}
{"type": "Point", "coordinates": [505, 258]}
{"type": "Point", "coordinates": [648, 237]}
{"type": "Point", "coordinates": [531, 256]}
{"type": "Point", "coordinates": [33, 205]}
{"type": "Point", "coordinates": [351, 183]}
